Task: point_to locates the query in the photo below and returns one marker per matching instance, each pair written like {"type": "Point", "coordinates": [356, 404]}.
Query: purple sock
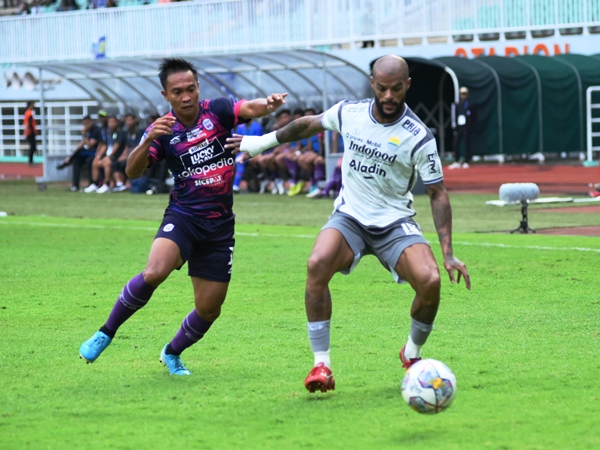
{"type": "Point", "coordinates": [192, 329]}
{"type": "Point", "coordinates": [319, 172]}
{"type": "Point", "coordinates": [334, 183]}
{"type": "Point", "coordinates": [293, 169]}
{"type": "Point", "coordinates": [134, 296]}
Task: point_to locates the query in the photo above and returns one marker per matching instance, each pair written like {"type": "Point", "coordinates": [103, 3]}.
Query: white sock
{"type": "Point", "coordinates": [322, 357]}
{"type": "Point", "coordinates": [318, 334]}
{"type": "Point", "coordinates": [412, 350]}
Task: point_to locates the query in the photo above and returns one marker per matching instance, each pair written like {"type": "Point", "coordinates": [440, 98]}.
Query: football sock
{"type": "Point", "coordinates": [419, 332]}
{"type": "Point", "coordinates": [319, 172]}
{"type": "Point", "coordinates": [318, 334]}
{"type": "Point", "coordinates": [192, 330]}
{"type": "Point", "coordinates": [134, 296]}
{"type": "Point", "coordinates": [293, 169]}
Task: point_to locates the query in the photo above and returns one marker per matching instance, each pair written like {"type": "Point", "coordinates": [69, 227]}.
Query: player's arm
{"type": "Point", "coordinates": [301, 128]}
{"type": "Point", "coordinates": [137, 162]}
{"type": "Point", "coordinates": [260, 107]}
{"type": "Point", "coordinates": [442, 219]}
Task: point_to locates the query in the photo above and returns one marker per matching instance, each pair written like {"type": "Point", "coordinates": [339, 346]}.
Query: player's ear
{"type": "Point", "coordinates": [164, 94]}
{"type": "Point", "coordinates": [408, 83]}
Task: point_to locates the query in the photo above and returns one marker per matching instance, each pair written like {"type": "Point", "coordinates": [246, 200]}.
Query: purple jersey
{"type": "Point", "coordinates": [201, 166]}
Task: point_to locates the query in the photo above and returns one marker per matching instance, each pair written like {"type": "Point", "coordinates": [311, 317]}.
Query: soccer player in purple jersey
{"type": "Point", "coordinates": [198, 225]}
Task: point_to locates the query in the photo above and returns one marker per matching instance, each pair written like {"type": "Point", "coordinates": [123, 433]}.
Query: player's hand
{"type": "Point", "coordinates": [234, 142]}
{"type": "Point", "coordinates": [161, 127]}
{"type": "Point", "coordinates": [451, 264]}
{"type": "Point", "coordinates": [274, 101]}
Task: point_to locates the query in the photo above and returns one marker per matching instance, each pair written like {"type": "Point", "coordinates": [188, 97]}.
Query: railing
{"type": "Point", "coordinates": [63, 129]}
{"type": "Point", "coordinates": [593, 121]}
{"type": "Point", "coordinates": [228, 26]}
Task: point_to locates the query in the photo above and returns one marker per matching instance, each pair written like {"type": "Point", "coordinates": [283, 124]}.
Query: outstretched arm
{"type": "Point", "coordinates": [442, 219]}
{"type": "Point", "coordinates": [262, 106]}
{"type": "Point", "coordinates": [301, 128]}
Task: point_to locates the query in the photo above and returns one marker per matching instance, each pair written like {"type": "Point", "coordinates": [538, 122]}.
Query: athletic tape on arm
{"type": "Point", "coordinates": [255, 145]}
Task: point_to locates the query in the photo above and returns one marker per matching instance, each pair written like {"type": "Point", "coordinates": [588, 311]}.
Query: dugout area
{"type": "Point", "coordinates": [525, 104]}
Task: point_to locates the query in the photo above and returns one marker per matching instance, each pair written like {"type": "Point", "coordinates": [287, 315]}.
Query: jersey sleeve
{"type": "Point", "coordinates": [156, 152]}
{"type": "Point", "coordinates": [332, 118]}
{"type": "Point", "coordinates": [427, 160]}
{"type": "Point", "coordinates": [227, 110]}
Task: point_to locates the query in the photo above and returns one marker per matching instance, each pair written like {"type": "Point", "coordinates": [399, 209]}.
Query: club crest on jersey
{"type": "Point", "coordinates": [393, 143]}
{"type": "Point", "coordinates": [207, 123]}
{"type": "Point", "coordinates": [193, 134]}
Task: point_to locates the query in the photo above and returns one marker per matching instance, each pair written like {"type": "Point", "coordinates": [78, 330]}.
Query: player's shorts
{"type": "Point", "coordinates": [387, 244]}
{"type": "Point", "coordinates": [206, 244]}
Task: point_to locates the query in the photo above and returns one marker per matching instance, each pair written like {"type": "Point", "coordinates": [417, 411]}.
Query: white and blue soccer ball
{"type": "Point", "coordinates": [429, 386]}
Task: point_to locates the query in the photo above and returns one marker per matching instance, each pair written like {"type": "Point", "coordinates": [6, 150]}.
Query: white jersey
{"type": "Point", "coordinates": [380, 162]}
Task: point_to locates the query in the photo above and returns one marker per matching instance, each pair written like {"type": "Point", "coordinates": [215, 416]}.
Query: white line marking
{"type": "Point", "coordinates": [299, 236]}
{"type": "Point", "coordinates": [533, 247]}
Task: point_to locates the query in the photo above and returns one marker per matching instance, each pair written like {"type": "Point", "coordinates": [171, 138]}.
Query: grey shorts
{"type": "Point", "coordinates": [387, 244]}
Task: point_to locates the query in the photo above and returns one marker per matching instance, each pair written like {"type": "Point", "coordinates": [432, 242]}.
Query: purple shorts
{"type": "Point", "coordinates": [206, 244]}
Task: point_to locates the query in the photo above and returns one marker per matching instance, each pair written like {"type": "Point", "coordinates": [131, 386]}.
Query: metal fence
{"type": "Point", "coordinates": [226, 26]}
{"type": "Point", "coordinates": [63, 127]}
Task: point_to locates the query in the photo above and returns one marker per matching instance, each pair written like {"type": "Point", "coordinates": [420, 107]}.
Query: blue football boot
{"type": "Point", "coordinates": [94, 346]}
{"type": "Point", "coordinates": [173, 363]}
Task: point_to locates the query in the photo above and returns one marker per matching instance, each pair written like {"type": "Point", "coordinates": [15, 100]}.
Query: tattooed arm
{"type": "Point", "coordinates": [301, 128]}
{"type": "Point", "coordinates": [442, 219]}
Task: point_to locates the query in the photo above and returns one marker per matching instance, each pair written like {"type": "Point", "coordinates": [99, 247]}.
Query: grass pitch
{"type": "Point", "coordinates": [523, 343]}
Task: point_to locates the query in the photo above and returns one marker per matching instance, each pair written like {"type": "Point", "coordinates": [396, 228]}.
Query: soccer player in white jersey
{"type": "Point", "coordinates": [385, 146]}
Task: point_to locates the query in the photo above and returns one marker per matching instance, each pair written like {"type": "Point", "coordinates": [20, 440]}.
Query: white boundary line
{"type": "Point", "coordinates": [299, 236]}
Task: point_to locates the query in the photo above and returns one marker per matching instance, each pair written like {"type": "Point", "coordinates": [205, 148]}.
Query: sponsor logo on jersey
{"type": "Point", "coordinates": [201, 153]}
{"type": "Point", "coordinates": [411, 127]}
{"type": "Point", "coordinates": [209, 181]}
{"type": "Point", "coordinates": [207, 123]}
{"type": "Point", "coordinates": [368, 170]}
{"type": "Point", "coordinates": [194, 134]}
{"type": "Point", "coordinates": [432, 163]}
{"type": "Point", "coordinates": [371, 152]}
{"type": "Point", "coordinates": [175, 140]}
{"type": "Point", "coordinates": [353, 137]}
{"type": "Point", "coordinates": [168, 227]}
{"type": "Point", "coordinates": [393, 143]}
{"type": "Point", "coordinates": [207, 168]}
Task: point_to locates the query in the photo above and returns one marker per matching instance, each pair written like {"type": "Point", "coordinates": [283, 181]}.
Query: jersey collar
{"type": "Point", "coordinates": [372, 105]}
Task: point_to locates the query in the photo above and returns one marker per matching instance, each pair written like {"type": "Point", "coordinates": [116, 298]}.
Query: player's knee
{"type": "Point", "coordinates": [155, 275]}
{"type": "Point", "coordinates": [208, 313]}
{"type": "Point", "coordinates": [319, 269]}
{"type": "Point", "coordinates": [428, 284]}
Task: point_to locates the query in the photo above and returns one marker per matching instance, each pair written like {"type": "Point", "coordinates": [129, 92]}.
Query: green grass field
{"type": "Point", "coordinates": [523, 343]}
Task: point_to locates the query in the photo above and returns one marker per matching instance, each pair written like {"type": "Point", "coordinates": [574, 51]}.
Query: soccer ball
{"type": "Point", "coordinates": [429, 386]}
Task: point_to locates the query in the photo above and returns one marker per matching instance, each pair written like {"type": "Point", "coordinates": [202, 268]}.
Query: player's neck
{"type": "Point", "coordinates": [187, 118]}
{"type": "Point", "coordinates": [385, 120]}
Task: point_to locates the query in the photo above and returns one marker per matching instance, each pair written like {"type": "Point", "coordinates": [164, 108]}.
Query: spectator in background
{"type": "Point", "coordinates": [265, 162]}
{"type": "Point", "coordinates": [251, 128]}
{"type": "Point", "coordinates": [465, 113]}
{"type": "Point", "coordinates": [67, 5]}
{"type": "Point", "coordinates": [84, 151]}
{"type": "Point", "coordinates": [31, 130]}
{"type": "Point", "coordinates": [132, 139]}
{"type": "Point", "coordinates": [99, 4]}
{"type": "Point", "coordinates": [108, 151]}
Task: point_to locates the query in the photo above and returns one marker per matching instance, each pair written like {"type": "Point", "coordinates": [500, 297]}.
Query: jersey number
{"type": "Point", "coordinates": [410, 228]}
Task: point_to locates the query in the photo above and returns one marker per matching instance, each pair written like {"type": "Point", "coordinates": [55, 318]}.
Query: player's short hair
{"type": "Point", "coordinates": [87, 118]}
{"type": "Point", "coordinates": [169, 66]}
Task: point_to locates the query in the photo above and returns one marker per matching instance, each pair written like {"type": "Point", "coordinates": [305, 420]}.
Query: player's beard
{"type": "Point", "coordinates": [383, 114]}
